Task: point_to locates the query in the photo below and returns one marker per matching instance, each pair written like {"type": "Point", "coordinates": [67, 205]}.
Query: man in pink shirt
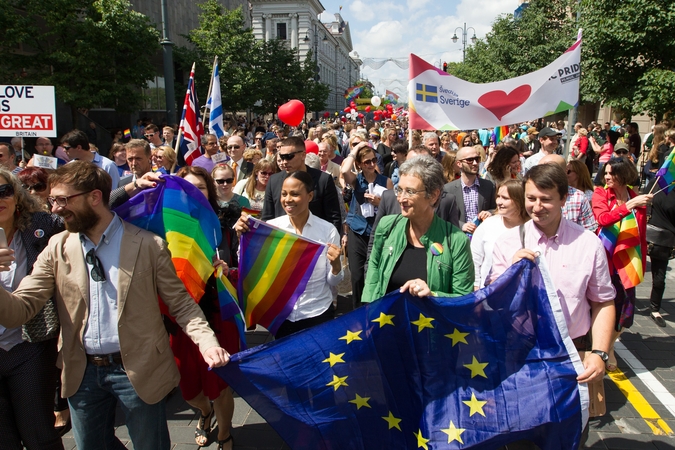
{"type": "Point", "coordinates": [576, 261]}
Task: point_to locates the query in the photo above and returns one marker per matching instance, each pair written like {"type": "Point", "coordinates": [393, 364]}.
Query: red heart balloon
{"type": "Point", "coordinates": [360, 116]}
{"type": "Point", "coordinates": [311, 147]}
{"type": "Point", "coordinates": [292, 112]}
{"type": "Point", "coordinates": [347, 109]}
{"type": "Point", "coordinates": [368, 108]}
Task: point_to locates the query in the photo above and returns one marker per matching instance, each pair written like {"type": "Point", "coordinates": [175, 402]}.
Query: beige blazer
{"type": "Point", "coordinates": [334, 171]}
{"type": "Point", "coordinates": [145, 272]}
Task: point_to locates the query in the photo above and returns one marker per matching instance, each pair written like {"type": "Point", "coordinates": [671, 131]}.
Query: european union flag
{"type": "Point", "coordinates": [426, 93]}
{"type": "Point", "coordinates": [478, 371]}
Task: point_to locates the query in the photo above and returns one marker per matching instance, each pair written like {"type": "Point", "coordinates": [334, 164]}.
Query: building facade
{"type": "Point", "coordinates": [298, 24]}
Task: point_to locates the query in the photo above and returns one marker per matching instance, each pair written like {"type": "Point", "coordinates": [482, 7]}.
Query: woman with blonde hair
{"type": "Point", "coordinates": [579, 178]}
{"type": "Point", "coordinates": [385, 146]}
{"type": "Point", "coordinates": [253, 187]}
{"type": "Point", "coordinates": [165, 159]}
{"type": "Point", "coordinates": [450, 169]}
{"type": "Point", "coordinates": [658, 153]}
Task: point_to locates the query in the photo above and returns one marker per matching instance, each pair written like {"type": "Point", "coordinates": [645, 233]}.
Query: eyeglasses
{"type": "Point", "coordinates": [408, 192]}
{"type": "Point", "coordinates": [289, 156]}
{"type": "Point", "coordinates": [472, 160]}
{"type": "Point", "coordinates": [66, 147]}
{"type": "Point", "coordinates": [369, 162]}
{"type": "Point", "coordinates": [231, 147]}
{"type": "Point", "coordinates": [621, 152]}
{"type": "Point", "coordinates": [149, 134]}
{"type": "Point", "coordinates": [97, 273]}
{"type": "Point", "coordinates": [62, 201]}
{"type": "Point", "coordinates": [224, 180]}
{"type": "Point", "coordinates": [569, 172]}
{"type": "Point", "coordinates": [267, 174]}
{"type": "Point", "coordinates": [6, 191]}
{"type": "Point", "coordinates": [37, 187]}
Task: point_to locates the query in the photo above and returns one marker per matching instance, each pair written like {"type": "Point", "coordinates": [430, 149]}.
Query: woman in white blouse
{"type": "Point", "coordinates": [510, 213]}
{"type": "Point", "coordinates": [315, 305]}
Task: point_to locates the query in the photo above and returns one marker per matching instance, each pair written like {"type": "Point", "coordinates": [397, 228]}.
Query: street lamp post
{"type": "Point", "coordinates": [316, 54]}
{"type": "Point", "coordinates": [464, 33]}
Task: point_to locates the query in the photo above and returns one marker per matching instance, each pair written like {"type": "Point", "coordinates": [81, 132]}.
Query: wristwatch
{"type": "Point", "coordinates": [601, 354]}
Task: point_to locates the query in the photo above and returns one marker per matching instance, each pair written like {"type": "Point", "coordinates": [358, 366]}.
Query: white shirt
{"type": "Point", "coordinates": [482, 245]}
{"type": "Point", "coordinates": [317, 297]}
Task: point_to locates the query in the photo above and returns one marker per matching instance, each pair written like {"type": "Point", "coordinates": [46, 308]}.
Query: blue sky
{"type": "Point", "coordinates": [395, 28]}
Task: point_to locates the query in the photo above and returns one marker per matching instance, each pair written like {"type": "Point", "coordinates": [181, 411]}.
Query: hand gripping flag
{"type": "Point", "coordinates": [191, 124]}
{"type": "Point", "coordinates": [274, 268]}
{"type": "Point", "coordinates": [440, 101]}
{"type": "Point", "coordinates": [478, 371]}
{"type": "Point", "coordinates": [178, 212]}
{"type": "Point", "coordinates": [215, 106]}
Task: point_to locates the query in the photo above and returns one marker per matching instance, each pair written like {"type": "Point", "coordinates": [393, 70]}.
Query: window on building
{"type": "Point", "coordinates": [154, 94]}
{"type": "Point", "coordinates": [281, 31]}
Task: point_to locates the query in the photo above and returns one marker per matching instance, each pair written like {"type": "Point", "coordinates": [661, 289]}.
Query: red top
{"type": "Point", "coordinates": [604, 202]}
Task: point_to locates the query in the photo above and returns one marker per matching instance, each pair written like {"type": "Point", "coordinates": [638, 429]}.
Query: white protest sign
{"type": "Point", "coordinates": [220, 158]}
{"type": "Point", "coordinates": [28, 111]}
{"type": "Point", "coordinates": [46, 162]}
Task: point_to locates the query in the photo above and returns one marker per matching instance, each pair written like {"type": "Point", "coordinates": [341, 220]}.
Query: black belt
{"type": "Point", "coordinates": [105, 360]}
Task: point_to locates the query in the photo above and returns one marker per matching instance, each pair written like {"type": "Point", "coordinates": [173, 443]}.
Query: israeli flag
{"type": "Point", "coordinates": [215, 106]}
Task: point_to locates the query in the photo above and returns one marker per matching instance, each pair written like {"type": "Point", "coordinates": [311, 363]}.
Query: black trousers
{"type": "Point", "coordinates": [27, 384]}
{"type": "Point", "coordinates": [659, 267]}
{"type": "Point", "coordinates": [357, 248]}
{"type": "Point", "coordinates": [288, 327]}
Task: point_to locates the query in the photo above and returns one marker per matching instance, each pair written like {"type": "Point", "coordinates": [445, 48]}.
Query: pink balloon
{"type": "Point", "coordinates": [292, 113]}
{"type": "Point", "coordinates": [311, 147]}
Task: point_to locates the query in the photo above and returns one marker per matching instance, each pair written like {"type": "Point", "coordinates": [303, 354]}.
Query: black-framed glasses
{"type": "Point", "coordinates": [6, 191]}
{"type": "Point", "coordinates": [62, 201]}
{"type": "Point", "coordinates": [37, 187]}
{"type": "Point", "coordinates": [66, 147]}
{"type": "Point", "coordinates": [369, 162]}
{"type": "Point", "coordinates": [97, 273]}
{"type": "Point", "coordinates": [231, 147]}
{"type": "Point", "coordinates": [224, 180]}
{"type": "Point", "coordinates": [289, 156]}
{"type": "Point", "coordinates": [474, 159]}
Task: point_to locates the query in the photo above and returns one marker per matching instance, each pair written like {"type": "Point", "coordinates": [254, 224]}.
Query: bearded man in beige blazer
{"type": "Point", "coordinates": [106, 276]}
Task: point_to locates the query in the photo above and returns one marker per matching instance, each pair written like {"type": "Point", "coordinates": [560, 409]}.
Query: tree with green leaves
{"type": "Point", "coordinates": [515, 47]}
{"type": "Point", "coordinates": [628, 54]}
{"type": "Point", "coordinates": [265, 73]}
{"type": "Point", "coordinates": [95, 53]}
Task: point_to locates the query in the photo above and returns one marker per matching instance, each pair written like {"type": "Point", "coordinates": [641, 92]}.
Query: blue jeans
{"type": "Point", "coordinates": [93, 412]}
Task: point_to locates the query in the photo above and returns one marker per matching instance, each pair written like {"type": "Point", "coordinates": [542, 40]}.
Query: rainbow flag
{"type": "Point", "coordinates": [178, 212]}
{"type": "Point", "coordinates": [274, 273]}
{"type": "Point", "coordinates": [353, 92]}
{"type": "Point", "coordinates": [622, 242]}
{"type": "Point", "coordinates": [499, 133]}
{"type": "Point", "coordinates": [666, 174]}
{"type": "Point", "coordinates": [127, 133]}
{"type": "Point", "coordinates": [229, 307]}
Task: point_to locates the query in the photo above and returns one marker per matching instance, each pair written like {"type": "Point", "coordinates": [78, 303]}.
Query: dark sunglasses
{"type": "Point", "coordinates": [269, 174]}
{"type": "Point", "coordinates": [475, 159]}
{"type": "Point", "coordinates": [289, 156]}
{"type": "Point", "coordinates": [621, 152]}
{"type": "Point", "coordinates": [233, 147]}
{"type": "Point", "coordinates": [369, 162]}
{"type": "Point", "coordinates": [6, 191]}
{"type": "Point", "coordinates": [96, 273]}
{"type": "Point", "coordinates": [225, 180]}
{"type": "Point", "coordinates": [37, 187]}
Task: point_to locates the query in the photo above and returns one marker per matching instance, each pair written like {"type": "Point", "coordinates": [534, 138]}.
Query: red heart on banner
{"type": "Point", "coordinates": [500, 103]}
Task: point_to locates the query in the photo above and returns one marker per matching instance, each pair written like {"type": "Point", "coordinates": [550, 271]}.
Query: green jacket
{"type": "Point", "coordinates": [449, 274]}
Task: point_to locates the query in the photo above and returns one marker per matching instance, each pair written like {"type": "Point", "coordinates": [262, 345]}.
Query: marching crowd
{"type": "Point", "coordinates": [81, 329]}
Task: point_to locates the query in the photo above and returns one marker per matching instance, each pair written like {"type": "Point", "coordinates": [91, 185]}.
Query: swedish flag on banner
{"type": "Point", "coordinates": [478, 371]}
{"type": "Point", "coordinates": [426, 93]}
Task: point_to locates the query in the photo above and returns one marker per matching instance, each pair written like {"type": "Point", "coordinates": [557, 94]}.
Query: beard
{"type": "Point", "coordinates": [81, 221]}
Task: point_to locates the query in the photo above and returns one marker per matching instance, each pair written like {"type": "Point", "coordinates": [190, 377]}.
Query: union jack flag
{"type": "Point", "coordinates": [191, 123]}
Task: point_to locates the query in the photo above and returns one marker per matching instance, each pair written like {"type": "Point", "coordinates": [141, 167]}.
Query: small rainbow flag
{"type": "Point", "coordinates": [274, 273]}
{"type": "Point", "coordinates": [499, 133]}
{"type": "Point", "coordinates": [622, 242]}
{"type": "Point", "coordinates": [251, 212]}
{"type": "Point", "coordinates": [176, 211]}
{"type": "Point", "coordinates": [666, 174]}
{"type": "Point", "coordinates": [229, 307]}
{"type": "Point", "coordinates": [127, 133]}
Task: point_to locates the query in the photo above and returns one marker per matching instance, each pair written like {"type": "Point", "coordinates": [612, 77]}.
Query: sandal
{"type": "Point", "coordinates": [221, 443]}
{"type": "Point", "coordinates": [611, 366]}
{"type": "Point", "coordinates": [202, 432]}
